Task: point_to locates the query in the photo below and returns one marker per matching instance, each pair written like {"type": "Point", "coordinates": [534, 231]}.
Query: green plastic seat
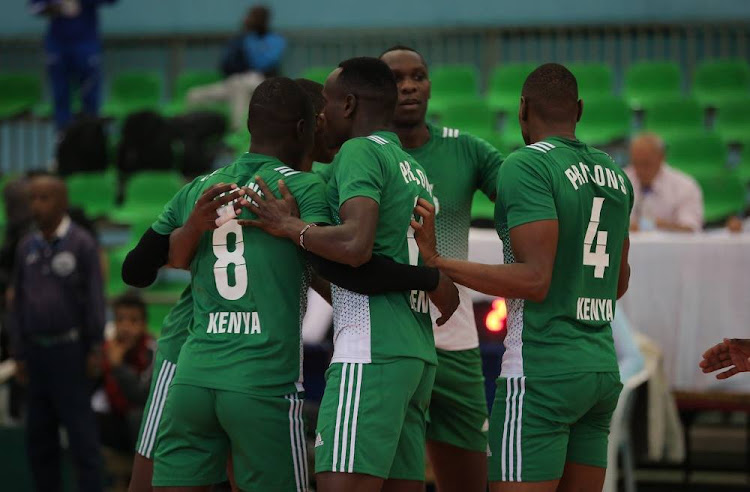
{"type": "Point", "coordinates": [186, 81]}
{"type": "Point", "coordinates": [743, 169]}
{"type": "Point", "coordinates": [604, 120]}
{"type": "Point", "coordinates": [115, 285]}
{"type": "Point", "coordinates": [697, 153]}
{"type": "Point", "coordinates": [452, 84]}
{"type": "Point", "coordinates": [674, 117]}
{"type": "Point", "coordinates": [146, 193]}
{"type": "Point", "coordinates": [472, 116]}
{"type": "Point", "coordinates": [506, 81]}
{"type": "Point", "coordinates": [650, 82]}
{"type": "Point", "coordinates": [94, 192]}
{"type": "Point", "coordinates": [595, 80]}
{"type": "Point", "coordinates": [716, 82]}
{"type": "Point", "coordinates": [511, 138]}
{"type": "Point", "coordinates": [723, 195]}
{"type": "Point", "coordinates": [733, 120]}
{"type": "Point", "coordinates": [133, 91]}
{"type": "Point", "coordinates": [482, 207]}
{"type": "Point", "coordinates": [19, 92]}
{"type": "Point", "coordinates": [317, 74]}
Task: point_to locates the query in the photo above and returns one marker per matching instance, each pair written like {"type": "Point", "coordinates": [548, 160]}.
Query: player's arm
{"type": "Point", "coordinates": [534, 246]}
{"type": "Point", "coordinates": [184, 240]}
{"type": "Point", "coordinates": [142, 263]}
{"type": "Point", "coordinates": [487, 161]}
{"type": "Point", "coordinates": [624, 279]}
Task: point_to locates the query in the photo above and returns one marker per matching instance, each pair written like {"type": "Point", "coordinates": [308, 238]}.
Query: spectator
{"type": "Point", "coordinates": [248, 60]}
{"type": "Point", "coordinates": [126, 376]}
{"type": "Point", "coordinates": [665, 198]}
{"type": "Point", "coordinates": [74, 53]}
{"type": "Point", "coordinates": [57, 321]}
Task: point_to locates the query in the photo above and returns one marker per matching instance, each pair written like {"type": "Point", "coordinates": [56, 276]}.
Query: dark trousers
{"type": "Point", "coordinates": [79, 64]}
{"type": "Point", "coordinates": [59, 395]}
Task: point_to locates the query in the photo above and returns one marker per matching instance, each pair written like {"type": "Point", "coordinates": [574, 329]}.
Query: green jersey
{"type": "Point", "coordinates": [458, 165]}
{"type": "Point", "coordinates": [397, 324]}
{"type": "Point", "coordinates": [249, 288]}
{"type": "Point", "coordinates": [174, 329]}
{"type": "Point", "coordinates": [323, 170]}
{"type": "Point", "coordinates": [591, 198]}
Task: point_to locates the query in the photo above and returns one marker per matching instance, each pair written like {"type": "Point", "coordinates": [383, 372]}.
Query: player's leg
{"type": "Point", "coordinates": [193, 448]}
{"type": "Point", "coordinates": [528, 435]}
{"type": "Point", "coordinates": [360, 422]}
{"type": "Point", "coordinates": [587, 447]}
{"type": "Point", "coordinates": [153, 413]}
{"type": "Point", "coordinates": [267, 440]}
{"type": "Point", "coordinates": [407, 470]}
{"type": "Point", "coordinates": [457, 425]}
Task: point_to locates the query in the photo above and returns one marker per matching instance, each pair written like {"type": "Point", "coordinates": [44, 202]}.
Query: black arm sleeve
{"type": "Point", "coordinates": [143, 262]}
{"type": "Point", "coordinates": [377, 276]}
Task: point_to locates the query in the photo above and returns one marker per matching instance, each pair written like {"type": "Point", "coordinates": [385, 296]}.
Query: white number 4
{"type": "Point", "coordinates": [594, 254]}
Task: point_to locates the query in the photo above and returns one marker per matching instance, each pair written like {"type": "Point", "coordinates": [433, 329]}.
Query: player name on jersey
{"type": "Point", "coordinates": [419, 301]}
{"type": "Point", "coordinates": [580, 174]}
{"type": "Point", "coordinates": [238, 323]}
{"type": "Point", "coordinates": [592, 309]}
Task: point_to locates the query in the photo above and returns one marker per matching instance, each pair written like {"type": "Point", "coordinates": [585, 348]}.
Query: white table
{"type": "Point", "coordinates": [686, 292]}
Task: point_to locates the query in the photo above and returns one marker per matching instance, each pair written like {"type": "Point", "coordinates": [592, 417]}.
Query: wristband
{"type": "Point", "coordinates": [302, 235]}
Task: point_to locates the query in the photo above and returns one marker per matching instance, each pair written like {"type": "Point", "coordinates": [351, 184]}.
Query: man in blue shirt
{"type": "Point", "coordinates": [73, 52]}
{"type": "Point", "coordinates": [247, 61]}
{"type": "Point", "coordinates": [57, 323]}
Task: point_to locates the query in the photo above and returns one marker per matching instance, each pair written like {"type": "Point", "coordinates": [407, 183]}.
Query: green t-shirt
{"type": "Point", "coordinates": [249, 288]}
{"type": "Point", "coordinates": [174, 329]}
{"type": "Point", "coordinates": [325, 171]}
{"type": "Point", "coordinates": [458, 164]}
{"type": "Point", "coordinates": [591, 198]}
{"type": "Point", "coordinates": [397, 324]}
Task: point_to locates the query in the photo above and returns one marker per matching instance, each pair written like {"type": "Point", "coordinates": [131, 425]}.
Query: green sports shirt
{"type": "Point", "coordinates": [384, 327]}
{"type": "Point", "coordinates": [458, 164]}
{"type": "Point", "coordinates": [174, 328]}
{"type": "Point", "coordinates": [591, 198]}
{"type": "Point", "coordinates": [249, 288]}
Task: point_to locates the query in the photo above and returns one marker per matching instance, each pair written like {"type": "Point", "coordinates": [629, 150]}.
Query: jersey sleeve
{"type": "Point", "coordinates": [487, 161]}
{"type": "Point", "coordinates": [325, 171]}
{"type": "Point", "coordinates": [525, 191]}
{"type": "Point", "coordinates": [311, 200]}
{"type": "Point", "coordinates": [358, 171]}
{"type": "Point", "coordinates": [174, 213]}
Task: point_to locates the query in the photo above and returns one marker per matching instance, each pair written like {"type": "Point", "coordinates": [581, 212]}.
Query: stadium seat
{"type": "Point", "coordinates": [133, 91]}
{"type": "Point", "coordinates": [743, 169]}
{"type": "Point", "coordinates": [316, 74]}
{"type": "Point", "coordinates": [94, 192]}
{"type": "Point", "coordinates": [115, 259]}
{"type": "Point", "coordinates": [650, 82]}
{"type": "Point", "coordinates": [146, 193]}
{"type": "Point", "coordinates": [453, 83]}
{"type": "Point", "coordinates": [506, 82]}
{"type": "Point", "coordinates": [472, 116]}
{"type": "Point", "coordinates": [511, 138]}
{"type": "Point", "coordinates": [716, 82]}
{"type": "Point", "coordinates": [697, 153]}
{"type": "Point", "coordinates": [482, 207]}
{"type": "Point", "coordinates": [723, 195]}
{"type": "Point", "coordinates": [604, 120]}
{"type": "Point", "coordinates": [673, 117]}
{"type": "Point", "coordinates": [19, 92]}
{"type": "Point", "coordinates": [595, 80]}
{"type": "Point", "coordinates": [186, 81]}
{"type": "Point", "coordinates": [733, 120]}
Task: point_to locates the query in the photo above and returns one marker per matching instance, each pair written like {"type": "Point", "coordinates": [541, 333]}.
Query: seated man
{"type": "Point", "coordinates": [665, 198]}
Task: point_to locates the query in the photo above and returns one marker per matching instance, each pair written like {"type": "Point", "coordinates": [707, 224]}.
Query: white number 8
{"type": "Point", "coordinates": [224, 258]}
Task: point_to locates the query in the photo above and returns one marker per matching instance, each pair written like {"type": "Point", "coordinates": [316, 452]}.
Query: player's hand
{"type": "Point", "coordinates": [424, 231]}
{"type": "Point", "coordinates": [732, 353]}
{"type": "Point", "coordinates": [445, 298]}
{"type": "Point", "coordinates": [273, 213]}
{"type": "Point", "coordinates": [116, 351]}
{"type": "Point", "coordinates": [204, 215]}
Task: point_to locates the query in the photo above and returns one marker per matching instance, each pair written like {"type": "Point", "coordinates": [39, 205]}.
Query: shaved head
{"type": "Point", "coordinates": [551, 91]}
{"type": "Point", "coordinates": [647, 156]}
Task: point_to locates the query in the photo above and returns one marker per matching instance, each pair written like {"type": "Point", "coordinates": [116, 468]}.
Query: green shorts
{"type": "Point", "coordinates": [539, 423]}
{"type": "Point", "coordinates": [265, 435]}
{"type": "Point", "coordinates": [458, 409]}
{"type": "Point", "coordinates": [153, 413]}
{"type": "Point", "coordinates": [372, 419]}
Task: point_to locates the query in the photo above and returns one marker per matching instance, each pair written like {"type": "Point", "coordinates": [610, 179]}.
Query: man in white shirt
{"type": "Point", "coordinates": [665, 198]}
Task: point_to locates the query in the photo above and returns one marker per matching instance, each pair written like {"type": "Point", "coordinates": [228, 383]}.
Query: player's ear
{"type": "Point", "coordinates": [580, 110]}
{"type": "Point", "coordinates": [301, 127]}
{"type": "Point", "coordinates": [350, 105]}
{"type": "Point", "coordinates": [523, 110]}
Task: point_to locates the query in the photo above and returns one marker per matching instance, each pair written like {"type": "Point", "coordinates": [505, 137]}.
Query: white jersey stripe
{"type": "Point", "coordinates": [354, 418]}
{"type": "Point", "coordinates": [347, 413]}
{"type": "Point", "coordinates": [538, 147]}
{"type": "Point", "coordinates": [151, 409]}
{"type": "Point", "coordinates": [161, 385]}
{"type": "Point", "coordinates": [303, 446]}
{"type": "Point", "coordinates": [168, 381]}
{"type": "Point", "coordinates": [377, 139]}
{"type": "Point", "coordinates": [545, 145]}
{"type": "Point", "coordinates": [445, 132]}
{"type": "Point", "coordinates": [338, 417]}
{"type": "Point", "coordinates": [508, 392]}
{"type": "Point", "coordinates": [511, 435]}
{"type": "Point", "coordinates": [293, 438]}
{"type": "Point", "coordinates": [522, 381]}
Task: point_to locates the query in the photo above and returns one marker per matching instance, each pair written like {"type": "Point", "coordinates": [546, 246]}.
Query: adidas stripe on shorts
{"type": "Point", "coordinates": [153, 413]}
